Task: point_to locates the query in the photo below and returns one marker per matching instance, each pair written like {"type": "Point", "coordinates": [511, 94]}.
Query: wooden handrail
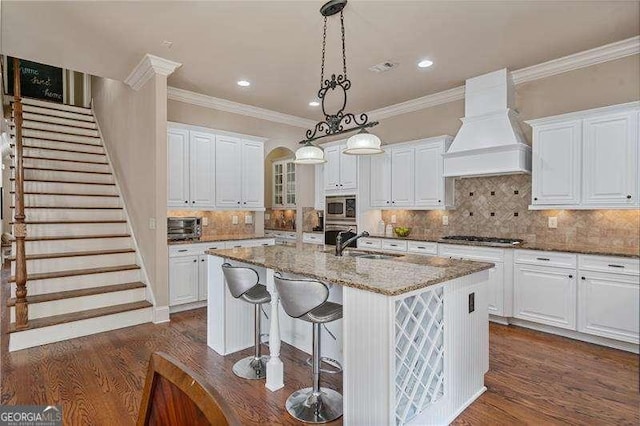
{"type": "Point", "coordinates": [19, 227]}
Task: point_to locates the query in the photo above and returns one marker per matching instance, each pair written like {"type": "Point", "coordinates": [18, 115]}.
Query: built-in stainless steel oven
{"type": "Point", "coordinates": [340, 208]}
{"type": "Point", "coordinates": [184, 228]}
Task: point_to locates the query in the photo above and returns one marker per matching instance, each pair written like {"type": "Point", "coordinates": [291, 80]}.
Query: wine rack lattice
{"type": "Point", "coordinates": [419, 356]}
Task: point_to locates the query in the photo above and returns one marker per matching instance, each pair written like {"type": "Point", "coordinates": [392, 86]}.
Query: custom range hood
{"type": "Point", "coordinates": [490, 141]}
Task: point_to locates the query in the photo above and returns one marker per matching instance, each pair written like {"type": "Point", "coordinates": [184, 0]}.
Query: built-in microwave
{"type": "Point", "coordinates": [340, 208]}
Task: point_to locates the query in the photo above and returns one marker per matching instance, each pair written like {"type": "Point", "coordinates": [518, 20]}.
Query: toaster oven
{"type": "Point", "coordinates": [184, 228]}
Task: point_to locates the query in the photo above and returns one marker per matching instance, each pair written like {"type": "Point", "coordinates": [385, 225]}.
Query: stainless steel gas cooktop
{"type": "Point", "coordinates": [506, 242]}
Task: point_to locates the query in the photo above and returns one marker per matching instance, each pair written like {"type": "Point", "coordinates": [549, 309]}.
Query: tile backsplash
{"type": "Point", "coordinates": [280, 219]}
{"type": "Point", "coordinates": [309, 219]}
{"type": "Point", "coordinates": [497, 206]}
{"type": "Point", "coordinates": [220, 222]}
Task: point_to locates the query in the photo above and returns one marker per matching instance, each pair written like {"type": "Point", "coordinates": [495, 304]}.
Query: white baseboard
{"type": "Point", "coordinates": [602, 341]}
{"type": "Point", "coordinates": [188, 306]}
{"type": "Point", "coordinates": [499, 320]}
{"type": "Point", "coordinates": [160, 314]}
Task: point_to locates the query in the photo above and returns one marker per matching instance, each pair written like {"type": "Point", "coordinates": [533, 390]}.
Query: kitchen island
{"type": "Point", "coordinates": [414, 335]}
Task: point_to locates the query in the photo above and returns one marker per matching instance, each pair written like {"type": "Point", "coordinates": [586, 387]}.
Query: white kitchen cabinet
{"type": "Point", "coordinates": [203, 261]}
{"type": "Point", "coordinates": [340, 170]}
{"type": "Point", "coordinates": [402, 177]}
{"type": "Point", "coordinates": [190, 157]}
{"type": "Point", "coordinates": [380, 180]}
{"type": "Point", "coordinates": [610, 166]}
{"type": "Point", "coordinates": [319, 187]}
{"type": "Point", "coordinates": [239, 173]}
{"type": "Point", "coordinates": [587, 159]}
{"type": "Point", "coordinates": [313, 238]}
{"type": "Point", "coordinates": [556, 163]}
{"type": "Point", "coordinates": [546, 295]}
{"type": "Point", "coordinates": [283, 186]}
{"type": "Point", "coordinates": [431, 188]}
{"type": "Point", "coordinates": [178, 168]}
{"type": "Point", "coordinates": [183, 280]}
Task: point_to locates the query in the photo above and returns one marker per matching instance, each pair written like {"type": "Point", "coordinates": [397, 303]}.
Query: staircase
{"type": "Point", "coordinates": [83, 273]}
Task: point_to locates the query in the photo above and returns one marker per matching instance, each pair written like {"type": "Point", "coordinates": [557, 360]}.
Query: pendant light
{"type": "Point", "coordinates": [362, 143]}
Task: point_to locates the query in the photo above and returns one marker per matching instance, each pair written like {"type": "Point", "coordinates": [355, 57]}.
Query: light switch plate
{"type": "Point", "coordinates": [234, 220]}
{"type": "Point", "coordinates": [152, 223]}
{"type": "Point", "coordinates": [394, 219]}
{"type": "Point", "coordinates": [267, 216]}
{"type": "Point", "coordinates": [553, 222]}
{"type": "Point", "coordinates": [248, 219]}
{"type": "Point", "coordinates": [205, 221]}
{"type": "Point", "coordinates": [445, 220]}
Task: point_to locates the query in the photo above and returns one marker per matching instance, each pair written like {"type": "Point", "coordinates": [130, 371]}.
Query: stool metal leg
{"type": "Point", "coordinates": [315, 404]}
{"type": "Point", "coordinates": [253, 367]}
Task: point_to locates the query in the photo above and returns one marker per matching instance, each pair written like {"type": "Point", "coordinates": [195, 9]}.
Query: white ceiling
{"type": "Point", "coordinates": [277, 45]}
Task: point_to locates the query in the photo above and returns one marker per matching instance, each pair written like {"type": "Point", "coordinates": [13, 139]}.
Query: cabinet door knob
{"type": "Point", "coordinates": [187, 202]}
{"type": "Point", "coordinates": [535, 198]}
{"type": "Point", "coordinates": [628, 197]}
{"type": "Point", "coordinates": [583, 278]}
{"type": "Point", "coordinates": [570, 276]}
{"type": "Point", "coordinates": [201, 260]}
{"type": "Point", "coordinates": [193, 202]}
{"type": "Point", "coordinates": [238, 202]}
{"type": "Point", "coordinates": [245, 202]}
{"type": "Point", "coordinates": [439, 201]}
{"type": "Point", "coordinates": [195, 260]}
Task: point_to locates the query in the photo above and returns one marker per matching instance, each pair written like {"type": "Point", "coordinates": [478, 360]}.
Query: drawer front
{"type": "Point", "coordinates": [313, 238]}
{"type": "Point", "coordinates": [471, 252]}
{"type": "Point", "coordinates": [394, 245]}
{"type": "Point", "coordinates": [370, 243]}
{"type": "Point", "coordinates": [181, 250]}
{"type": "Point", "coordinates": [422, 247]}
{"type": "Point", "coordinates": [250, 243]}
{"type": "Point", "coordinates": [546, 258]}
{"type": "Point", "coordinates": [290, 236]}
{"type": "Point", "coordinates": [616, 265]}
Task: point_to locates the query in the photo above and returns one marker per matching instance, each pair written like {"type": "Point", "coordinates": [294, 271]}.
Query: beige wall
{"type": "Point", "coordinates": [604, 84]}
{"type": "Point", "coordinates": [134, 128]}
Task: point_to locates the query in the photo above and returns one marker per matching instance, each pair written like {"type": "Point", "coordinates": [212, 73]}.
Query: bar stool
{"type": "Point", "coordinates": [307, 300]}
{"type": "Point", "coordinates": [244, 284]}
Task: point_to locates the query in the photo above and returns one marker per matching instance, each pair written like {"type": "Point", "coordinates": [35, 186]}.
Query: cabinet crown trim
{"type": "Point", "coordinates": [579, 115]}
{"type": "Point", "coordinates": [175, 125]}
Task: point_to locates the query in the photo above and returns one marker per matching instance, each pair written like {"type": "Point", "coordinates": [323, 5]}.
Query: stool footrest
{"type": "Point", "coordinates": [337, 367]}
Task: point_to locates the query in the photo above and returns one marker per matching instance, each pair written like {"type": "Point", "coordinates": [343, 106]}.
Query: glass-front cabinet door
{"type": "Point", "coordinates": [284, 184]}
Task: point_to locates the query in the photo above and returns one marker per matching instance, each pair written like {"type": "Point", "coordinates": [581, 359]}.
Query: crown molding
{"type": "Point", "coordinates": [149, 66]}
{"type": "Point", "coordinates": [207, 101]}
{"type": "Point", "coordinates": [608, 52]}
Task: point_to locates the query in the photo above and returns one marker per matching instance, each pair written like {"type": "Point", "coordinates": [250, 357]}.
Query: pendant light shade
{"type": "Point", "coordinates": [309, 154]}
{"type": "Point", "coordinates": [363, 143]}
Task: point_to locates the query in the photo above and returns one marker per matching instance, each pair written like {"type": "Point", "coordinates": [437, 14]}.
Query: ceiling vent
{"type": "Point", "coordinates": [384, 66]}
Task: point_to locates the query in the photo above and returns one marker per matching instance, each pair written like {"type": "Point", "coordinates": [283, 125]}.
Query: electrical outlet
{"type": "Point", "coordinates": [394, 218]}
{"type": "Point", "coordinates": [234, 220]}
{"type": "Point", "coordinates": [553, 222]}
{"type": "Point", "coordinates": [248, 219]}
{"type": "Point", "coordinates": [152, 223]}
{"type": "Point", "coordinates": [472, 302]}
{"type": "Point", "coordinates": [267, 216]}
{"type": "Point", "coordinates": [205, 221]}
{"type": "Point", "coordinates": [445, 220]}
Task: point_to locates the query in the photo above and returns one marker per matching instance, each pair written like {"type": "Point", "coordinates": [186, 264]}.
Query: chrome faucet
{"type": "Point", "coordinates": [340, 246]}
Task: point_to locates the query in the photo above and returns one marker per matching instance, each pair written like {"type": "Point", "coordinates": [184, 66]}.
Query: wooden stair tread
{"type": "Point", "coordinates": [68, 194]}
{"type": "Point", "coordinates": [40, 120]}
{"type": "Point", "coordinates": [77, 182]}
{"type": "Point", "coordinates": [70, 207]}
{"type": "Point", "coordinates": [81, 315]}
{"type": "Point", "coordinates": [27, 138]}
{"type": "Point", "coordinates": [76, 272]}
{"type": "Point", "coordinates": [72, 237]}
{"type": "Point", "coordinates": [46, 169]}
{"type": "Point", "coordinates": [75, 151]}
{"type": "Point", "coordinates": [53, 105]}
{"type": "Point", "coordinates": [73, 254]}
{"type": "Point", "coordinates": [40, 298]}
{"type": "Point", "coordinates": [68, 222]}
{"type": "Point", "coordinates": [33, 157]}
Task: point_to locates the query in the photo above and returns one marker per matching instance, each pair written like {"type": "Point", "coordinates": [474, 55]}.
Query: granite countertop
{"type": "Point", "coordinates": [389, 277]}
{"type": "Point", "coordinates": [214, 238]}
{"type": "Point", "coordinates": [632, 252]}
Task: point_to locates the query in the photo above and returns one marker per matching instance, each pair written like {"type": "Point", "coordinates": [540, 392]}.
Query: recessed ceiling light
{"type": "Point", "coordinates": [314, 103]}
{"type": "Point", "coordinates": [425, 63]}
{"type": "Point", "coordinates": [244, 83]}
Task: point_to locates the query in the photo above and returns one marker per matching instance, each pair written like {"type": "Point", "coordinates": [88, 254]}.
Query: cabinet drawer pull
{"type": "Point", "coordinates": [546, 259]}
{"type": "Point", "coordinates": [616, 266]}
{"type": "Point", "coordinates": [214, 248]}
{"type": "Point", "coordinates": [182, 251]}
{"type": "Point", "coordinates": [421, 248]}
{"type": "Point", "coordinates": [570, 276]}
{"type": "Point", "coordinates": [202, 260]}
{"type": "Point", "coordinates": [265, 244]}
{"type": "Point", "coordinates": [237, 246]}
{"type": "Point", "coordinates": [393, 245]}
{"type": "Point", "coordinates": [628, 197]}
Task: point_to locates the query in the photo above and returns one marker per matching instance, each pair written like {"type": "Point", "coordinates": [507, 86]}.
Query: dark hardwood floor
{"type": "Point", "coordinates": [534, 378]}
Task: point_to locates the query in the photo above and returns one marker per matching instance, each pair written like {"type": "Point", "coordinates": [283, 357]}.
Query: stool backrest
{"type": "Point", "coordinates": [300, 296]}
{"type": "Point", "coordinates": [239, 279]}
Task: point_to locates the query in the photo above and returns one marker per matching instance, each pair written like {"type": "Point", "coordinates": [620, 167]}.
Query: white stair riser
{"type": "Point", "coordinates": [98, 149]}
{"type": "Point", "coordinates": [41, 336]}
{"type": "Point", "coordinates": [76, 304]}
{"type": "Point", "coordinates": [36, 215]}
{"type": "Point", "coordinates": [43, 134]}
{"type": "Point", "coordinates": [66, 246]}
{"type": "Point", "coordinates": [67, 188]}
{"type": "Point", "coordinates": [44, 118]}
{"type": "Point", "coordinates": [56, 113]}
{"type": "Point", "coordinates": [37, 266]}
{"type": "Point", "coordinates": [70, 201]}
{"type": "Point", "coordinates": [75, 229]}
{"type": "Point", "coordinates": [53, 285]}
{"type": "Point", "coordinates": [66, 176]}
{"type": "Point", "coordinates": [63, 155]}
{"type": "Point", "coordinates": [54, 106]}
{"type": "Point", "coordinates": [66, 165]}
